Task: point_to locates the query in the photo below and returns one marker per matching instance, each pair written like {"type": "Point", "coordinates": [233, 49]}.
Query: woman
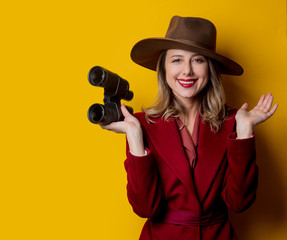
{"type": "Point", "coordinates": [189, 157]}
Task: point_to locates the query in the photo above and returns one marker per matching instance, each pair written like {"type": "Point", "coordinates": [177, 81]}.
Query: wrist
{"type": "Point", "coordinates": [135, 141]}
{"type": "Point", "coordinates": [244, 131]}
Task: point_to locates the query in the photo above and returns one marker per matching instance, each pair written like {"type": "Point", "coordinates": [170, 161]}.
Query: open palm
{"type": "Point", "coordinates": [260, 113]}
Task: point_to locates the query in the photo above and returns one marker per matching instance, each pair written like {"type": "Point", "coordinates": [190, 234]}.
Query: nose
{"type": "Point", "coordinates": [187, 69]}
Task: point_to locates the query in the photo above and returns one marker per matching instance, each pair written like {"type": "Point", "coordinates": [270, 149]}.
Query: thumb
{"type": "Point", "coordinates": [244, 106]}
{"type": "Point", "coordinates": [125, 112]}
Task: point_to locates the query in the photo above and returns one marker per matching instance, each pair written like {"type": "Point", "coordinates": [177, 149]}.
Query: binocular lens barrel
{"type": "Point", "coordinates": [96, 113]}
{"type": "Point", "coordinates": [104, 114]}
{"type": "Point", "coordinates": [96, 76]}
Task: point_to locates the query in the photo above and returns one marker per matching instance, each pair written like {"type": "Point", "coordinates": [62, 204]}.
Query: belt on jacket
{"type": "Point", "coordinates": [189, 218]}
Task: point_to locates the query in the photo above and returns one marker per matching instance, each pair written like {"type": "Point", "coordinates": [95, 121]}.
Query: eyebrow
{"type": "Point", "coordinates": [196, 54]}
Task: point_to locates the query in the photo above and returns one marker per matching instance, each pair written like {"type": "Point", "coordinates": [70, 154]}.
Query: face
{"type": "Point", "coordinates": [186, 73]}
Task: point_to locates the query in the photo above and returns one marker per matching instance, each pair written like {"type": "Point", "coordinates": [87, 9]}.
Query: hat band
{"type": "Point", "coordinates": [193, 43]}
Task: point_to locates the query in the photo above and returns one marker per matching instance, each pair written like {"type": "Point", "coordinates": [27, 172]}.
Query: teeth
{"type": "Point", "coordinates": [186, 82]}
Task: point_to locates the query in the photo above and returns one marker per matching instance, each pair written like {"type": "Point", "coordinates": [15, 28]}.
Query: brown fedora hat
{"type": "Point", "coordinates": [187, 33]}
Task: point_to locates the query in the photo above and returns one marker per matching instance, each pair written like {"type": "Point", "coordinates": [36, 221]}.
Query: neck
{"type": "Point", "coordinates": [191, 107]}
{"type": "Point", "coordinates": [191, 104]}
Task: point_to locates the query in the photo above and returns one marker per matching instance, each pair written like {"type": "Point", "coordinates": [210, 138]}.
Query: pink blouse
{"type": "Point", "coordinates": [189, 141]}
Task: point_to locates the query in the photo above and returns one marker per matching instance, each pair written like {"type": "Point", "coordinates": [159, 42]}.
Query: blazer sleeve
{"type": "Point", "coordinates": [144, 190]}
{"type": "Point", "coordinates": [241, 179]}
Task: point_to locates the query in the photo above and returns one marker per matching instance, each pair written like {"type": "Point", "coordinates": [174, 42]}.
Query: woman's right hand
{"type": "Point", "coordinates": [132, 128]}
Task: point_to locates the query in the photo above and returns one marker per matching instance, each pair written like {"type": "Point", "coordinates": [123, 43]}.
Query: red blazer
{"type": "Point", "coordinates": [225, 176]}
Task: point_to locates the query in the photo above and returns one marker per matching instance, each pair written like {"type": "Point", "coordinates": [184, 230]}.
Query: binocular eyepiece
{"type": "Point", "coordinates": [115, 89]}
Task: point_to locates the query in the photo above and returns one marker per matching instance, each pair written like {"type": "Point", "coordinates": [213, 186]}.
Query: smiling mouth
{"type": "Point", "coordinates": [186, 83]}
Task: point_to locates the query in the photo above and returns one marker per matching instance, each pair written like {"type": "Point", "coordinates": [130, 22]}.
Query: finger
{"type": "Point", "coordinates": [244, 106]}
{"type": "Point", "coordinates": [261, 100]}
{"type": "Point", "coordinates": [269, 103]}
{"type": "Point", "coordinates": [125, 112]}
{"type": "Point", "coordinates": [259, 104]}
{"type": "Point", "coordinates": [272, 111]}
{"type": "Point", "coordinates": [117, 127]}
{"type": "Point", "coordinates": [267, 99]}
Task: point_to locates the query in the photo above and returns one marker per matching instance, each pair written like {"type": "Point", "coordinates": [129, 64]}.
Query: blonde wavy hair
{"type": "Point", "coordinates": [212, 98]}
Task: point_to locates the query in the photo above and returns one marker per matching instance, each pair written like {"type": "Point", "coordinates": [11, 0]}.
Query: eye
{"type": "Point", "coordinates": [198, 60]}
{"type": "Point", "coordinates": [176, 60]}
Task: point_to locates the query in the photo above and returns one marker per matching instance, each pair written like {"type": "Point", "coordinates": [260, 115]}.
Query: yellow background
{"type": "Point", "coordinates": [62, 177]}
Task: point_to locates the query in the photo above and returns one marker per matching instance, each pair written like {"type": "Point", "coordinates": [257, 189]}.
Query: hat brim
{"type": "Point", "coordinates": [147, 51]}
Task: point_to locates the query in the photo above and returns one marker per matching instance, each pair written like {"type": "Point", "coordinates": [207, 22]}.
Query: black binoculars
{"type": "Point", "coordinates": [115, 89]}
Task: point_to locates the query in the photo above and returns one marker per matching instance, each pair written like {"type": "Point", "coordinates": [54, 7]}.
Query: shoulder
{"type": "Point", "coordinates": [229, 121]}
{"type": "Point", "coordinates": [153, 125]}
{"type": "Point", "coordinates": [141, 116]}
{"type": "Point", "coordinates": [230, 113]}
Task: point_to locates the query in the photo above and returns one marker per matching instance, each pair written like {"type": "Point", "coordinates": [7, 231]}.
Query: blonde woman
{"type": "Point", "coordinates": [189, 157]}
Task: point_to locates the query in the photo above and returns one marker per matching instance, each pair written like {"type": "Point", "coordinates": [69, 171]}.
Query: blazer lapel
{"type": "Point", "coordinates": [211, 151]}
{"type": "Point", "coordinates": [166, 139]}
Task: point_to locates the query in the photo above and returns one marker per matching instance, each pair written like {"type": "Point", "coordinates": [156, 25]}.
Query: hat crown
{"type": "Point", "coordinates": [199, 31]}
{"type": "Point", "coordinates": [187, 33]}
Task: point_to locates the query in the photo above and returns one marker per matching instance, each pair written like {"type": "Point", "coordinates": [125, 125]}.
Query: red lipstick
{"type": "Point", "coordinates": [187, 83]}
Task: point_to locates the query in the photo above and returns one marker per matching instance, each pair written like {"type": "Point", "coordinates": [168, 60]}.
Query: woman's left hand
{"type": "Point", "coordinates": [261, 112]}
